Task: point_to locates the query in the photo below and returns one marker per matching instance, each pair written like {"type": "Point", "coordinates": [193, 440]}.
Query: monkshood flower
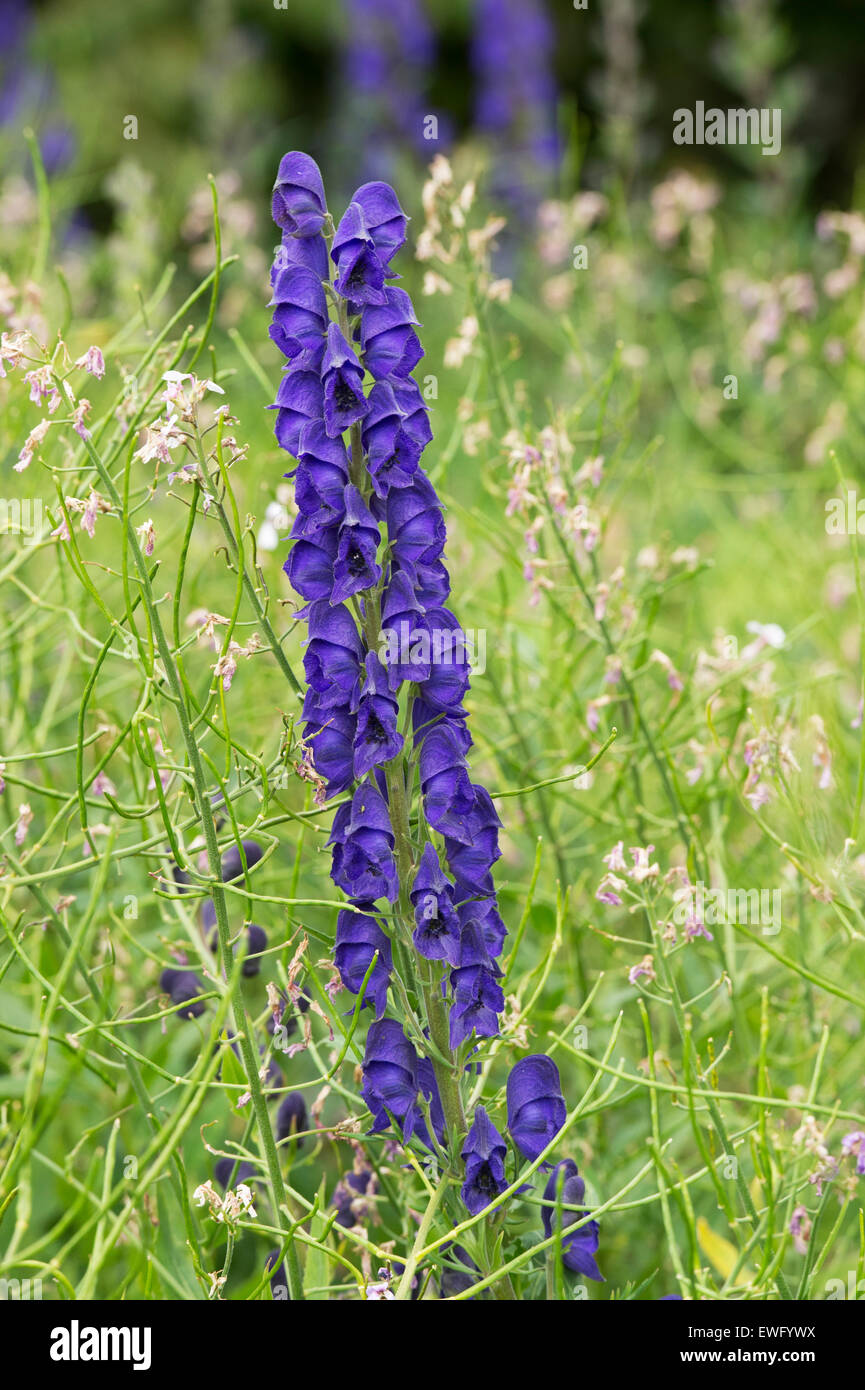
{"type": "Point", "coordinates": [256, 941]}
{"type": "Point", "coordinates": [484, 1154]}
{"type": "Point", "coordinates": [350, 1194]}
{"type": "Point", "coordinates": [367, 557]}
{"type": "Point", "coordinates": [342, 379]}
{"type": "Point", "coordinates": [291, 1117]}
{"type": "Point", "coordinates": [355, 567]}
{"type": "Point", "coordinates": [536, 1107]}
{"type": "Point", "coordinates": [437, 931]}
{"type": "Point", "coordinates": [377, 739]}
{"type": "Point", "coordinates": [578, 1247]}
{"type": "Point", "coordinates": [298, 196]}
{"type": "Point", "coordinates": [231, 1171]}
{"type": "Point", "coordinates": [181, 986]}
{"type": "Point", "coordinates": [358, 937]}
{"type": "Point", "coordinates": [363, 862]}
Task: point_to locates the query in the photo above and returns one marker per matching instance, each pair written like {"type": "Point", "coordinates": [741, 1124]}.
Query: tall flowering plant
{"type": "Point", "coordinates": [414, 838]}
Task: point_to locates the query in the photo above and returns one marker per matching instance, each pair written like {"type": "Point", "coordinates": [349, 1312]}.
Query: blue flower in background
{"type": "Point", "coordinates": [579, 1247]}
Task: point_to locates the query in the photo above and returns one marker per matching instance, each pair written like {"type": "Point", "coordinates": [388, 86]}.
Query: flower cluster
{"type": "Point", "coordinates": [350, 370]}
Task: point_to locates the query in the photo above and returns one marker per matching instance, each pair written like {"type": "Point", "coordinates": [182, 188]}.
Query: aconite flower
{"type": "Point", "coordinates": [483, 1154]}
{"type": "Point", "coordinates": [536, 1107]}
{"type": "Point", "coordinates": [291, 1117]}
{"type": "Point", "coordinates": [358, 937]}
{"type": "Point", "coordinates": [578, 1247]}
{"type": "Point", "coordinates": [182, 986]}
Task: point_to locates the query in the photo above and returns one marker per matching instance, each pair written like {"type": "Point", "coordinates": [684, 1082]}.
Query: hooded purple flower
{"type": "Point", "coordinates": [232, 863]}
{"type": "Point", "coordinates": [358, 937]}
{"type": "Point", "coordinates": [477, 1002]}
{"type": "Point", "coordinates": [333, 661]}
{"type": "Point", "coordinates": [377, 739]}
{"type": "Point", "coordinates": [313, 555]}
{"type": "Point", "coordinates": [298, 196]}
{"type": "Point", "coordinates": [389, 343]}
{"type": "Point", "coordinates": [449, 796]}
{"type": "Point", "coordinates": [360, 270]}
{"type": "Point", "coordinates": [308, 251]}
{"type": "Point", "coordinates": [291, 1117]}
{"type": "Point", "coordinates": [483, 1153]}
{"type": "Point", "coordinates": [415, 525]}
{"type": "Point", "coordinates": [362, 839]}
{"type": "Point", "coordinates": [300, 398]}
{"type": "Point", "coordinates": [228, 1172]}
{"type": "Point", "coordinates": [471, 857]}
{"type": "Point", "coordinates": [300, 317]}
{"type": "Point", "coordinates": [405, 637]}
{"type": "Point", "coordinates": [390, 1077]}
{"type": "Point", "coordinates": [448, 680]}
{"type": "Point", "coordinates": [321, 476]}
{"type": "Point", "coordinates": [579, 1248]}
{"type": "Point", "coordinates": [256, 941]}
{"type": "Point", "coordinates": [536, 1107]}
{"type": "Point", "coordinates": [329, 735]}
{"type": "Point", "coordinates": [437, 930]}
{"type": "Point", "coordinates": [392, 451]}
{"type": "Point", "coordinates": [355, 567]}
{"type": "Point", "coordinates": [181, 986]}
{"type": "Point", "coordinates": [484, 914]}
{"type": "Point", "coordinates": [384, 218]}
{"type": "Point", "coordinates": [342, 379]}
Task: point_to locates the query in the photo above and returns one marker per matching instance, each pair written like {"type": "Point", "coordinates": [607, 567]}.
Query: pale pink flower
{"type": "Point", "coordinates": [31, 444]}
{"type": "Point", "coordinates": [25, 816]}
{"type": "Point", "coordinates": [645, 968]}
{"type": "Point", "coordinates": [93, 362]}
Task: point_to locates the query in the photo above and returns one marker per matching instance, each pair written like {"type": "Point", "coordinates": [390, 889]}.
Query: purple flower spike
{"type": "Point", "coordinates": [298, 196]}
{"type": "Point", "coordinates": [342, 378]}
{"type": "Point", "coordinates": [355, 567]}
{"type": "Point", "coordinates": [358, 937]}
{"type": "Point", "coordinates": [377, 739]}
{"type": "Point", "coordinates": [536, 1107]}
{"type": "Point", "coordinates": [437, 931]}
{"type": "Point", "coordinates": [483, 1153]}
{"type": "Point", "coordinates": [578, 1249]}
